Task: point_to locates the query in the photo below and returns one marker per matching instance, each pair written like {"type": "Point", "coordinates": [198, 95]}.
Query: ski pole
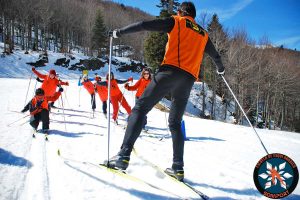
{"type": "Point", "coordinates": [244, 114]}
{"type": "Point", "coordinates": [66, 97]}
{"type": "Point", "coordinates": [79, 97]}
{"type": "Point", "coordinates": [120, 103]}
{"type": "Point", "coordinates": [94, 103]}
{"type": "Point", "coordinates": [34, 88]}
{"type": "Point", "coordinates": [166, 119]}
{"type": "Point", "coordinates": [108, 97]}
{"type": "Point", "coordinates": [62, 105]}
{"type": "Point", "coordinates": [28, 89]}
{"type": "Point", "coordinates": [18, 120]}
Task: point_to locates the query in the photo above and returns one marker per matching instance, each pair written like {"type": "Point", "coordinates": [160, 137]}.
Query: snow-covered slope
{"type": "Point", "coordinates": [219, 157]}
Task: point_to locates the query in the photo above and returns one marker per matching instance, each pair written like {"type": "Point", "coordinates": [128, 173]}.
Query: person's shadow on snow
{"type": "Point", "coordinates": [7, 158]}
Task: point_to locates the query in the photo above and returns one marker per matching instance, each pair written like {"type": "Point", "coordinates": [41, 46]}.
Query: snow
{"type": "Point", "coordinates": [219, 157]}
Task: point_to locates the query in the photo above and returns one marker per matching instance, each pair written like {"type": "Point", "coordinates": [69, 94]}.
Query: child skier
{"type": "Point", "coordinates": [39, 108]}
{"type": "Point", "coordinates": [102, 92]}
{"type": "Point", "coordinates": [89, 86]}
{"type": "Point", "coordinates": [116, 95]}
{"type": "Point", "coordinates": [50, 82]}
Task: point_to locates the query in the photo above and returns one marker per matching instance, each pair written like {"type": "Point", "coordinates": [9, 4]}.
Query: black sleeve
{"type": "Point", "coordinates": [26, 108]}
{"type": "Point", "coordinates": [212, 52]}
{"type": "Point", "coordinates": [121, 81]}
{"type": "Point", "coordinates": [31, 107]}
{"type": "Point", "coordinates": [162, 25]}
{"type": "Point", "coordinates": [102, 83]}
{"type": "Point", "coordinates": [39, 80]}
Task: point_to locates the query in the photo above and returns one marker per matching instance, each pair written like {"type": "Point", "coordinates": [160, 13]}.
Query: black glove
{"type": "Point", "coordinates": [115, 33]}
{"type": "Point", "coordinates": [39, 104]}
{"type": "Point", "coordinates": [24, 110]}
{"type": "Point", "coordinates": [221, 72]}
{"type": "Point", "coordinates": [61, 89]}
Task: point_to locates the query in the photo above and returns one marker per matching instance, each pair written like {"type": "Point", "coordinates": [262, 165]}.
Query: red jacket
{"type": "Point", "coordinates": [114, 88]}
{"type": "Point", "coordinates": [102, 92]}
{"type": "Point", "coordinates": [89, 86]}
{"type": "Point", "coordinates": [44, 104]}
{"type": "Point", "coordinates": [140, 86]}
{"type": "Point", "coordinates": [49, 85]}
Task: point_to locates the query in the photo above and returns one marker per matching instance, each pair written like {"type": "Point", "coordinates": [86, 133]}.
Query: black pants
{"type": "Point", "coordinates": [168, 80]}
{"type": "Point", "coordinates": [41, 116]}
{"type": "Point", "coordinates": [104, 107]}
{"type": "Point", "coordinates": [93, 101]}
{"type": "Point", "coordinates": [145, 118]}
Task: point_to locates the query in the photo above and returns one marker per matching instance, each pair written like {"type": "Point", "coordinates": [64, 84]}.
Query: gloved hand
{"type": "Point", "coordinates": [115, 33]}
{"type": "Point", "coordinates": [130, 79]}
{"type": "Point", "coordinates": [33, 69]}
{"type": "Point", "coordinates": [67, 83]}
{"type": "Point", "coordinates": [61, 89]}
{"type": "Point", "coordinates": [24, 110]}
{"type": "Point", "coordinates": [221, 72]}
{"type": "Point", "coordinates": [126, 85]}
{"type": "Point", "coordinates": [39, 104]}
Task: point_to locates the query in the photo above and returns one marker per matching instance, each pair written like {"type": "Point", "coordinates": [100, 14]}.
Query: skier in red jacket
{"type": "Point", "coordinates": [116, 95]}
{"type": "Point", "coordinates": [89, 86]}
{"type": "Point", "coordinates": [50, 82]}
{"type": "Point", "coordinates": [140, 86]}
{"type": "Point", "coordinates": [102, 92]}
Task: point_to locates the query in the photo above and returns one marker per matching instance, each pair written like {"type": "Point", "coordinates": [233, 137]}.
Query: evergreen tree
{"type": "Point", "coordinates": [155, 43]}
{"type": "Point", "coordinates": [99, 38]}
{"type": "Point", "coordinates": [219, 38]}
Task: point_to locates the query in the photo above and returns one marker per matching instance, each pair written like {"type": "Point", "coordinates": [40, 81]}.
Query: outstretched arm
{"type": "Point", "coordinates": [212, 52]}
{"type": "Point", "coordinates": [163, 25]}
{"type": "Point", "coordinates": [42, 76]}
{"type": "Point", "coordinates": [133, 87]}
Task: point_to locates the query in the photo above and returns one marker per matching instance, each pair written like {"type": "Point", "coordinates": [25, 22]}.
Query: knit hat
{"type": "Point", "coordinates": [39, 92]}
{"type": "Point", "coordinates": [52, 71]}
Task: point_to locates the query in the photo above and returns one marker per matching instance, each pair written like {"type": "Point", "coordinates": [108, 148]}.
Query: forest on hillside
{"type": "Point", "coordinates": [265, 79]}
{"type": "Point", "coordinates": [65, 25]}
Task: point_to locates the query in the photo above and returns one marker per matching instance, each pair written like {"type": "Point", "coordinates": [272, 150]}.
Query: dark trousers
{"type": "Point", "coordinates": [145, 119]}
{"type": "Point", "coordinates": [168, 80]}
{"type": "Point", "coordinates": [104, 107]}
{"type": "Point", "coordinates": [41, 116]}
{"type": "Point", "coordinates": [93, 101]}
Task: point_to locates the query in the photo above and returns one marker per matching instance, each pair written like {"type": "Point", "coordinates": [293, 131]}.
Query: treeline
{"type": "Point", "coordinates": [64, 25]}
{"type": "Point", "coordinates": [265, 79]}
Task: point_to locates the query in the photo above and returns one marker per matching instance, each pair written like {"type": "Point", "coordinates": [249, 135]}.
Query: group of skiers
{"type": "Point", "coordinates": [44, 98]}
{"type": "Point", "coordinates": [46, 95]}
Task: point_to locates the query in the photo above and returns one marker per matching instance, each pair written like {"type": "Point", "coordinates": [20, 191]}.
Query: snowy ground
{"type": "Point", "coordinates": [219, 157]}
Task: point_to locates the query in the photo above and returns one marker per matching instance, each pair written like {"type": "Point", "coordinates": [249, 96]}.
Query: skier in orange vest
{"type": "Point", "coordinates": [39, 109]}
{"type": "Point", "coordinates": [187, 42]}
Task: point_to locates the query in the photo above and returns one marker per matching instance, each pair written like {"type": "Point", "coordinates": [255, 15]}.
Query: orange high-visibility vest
{"type": "Point", "coordinates": [186, 45]}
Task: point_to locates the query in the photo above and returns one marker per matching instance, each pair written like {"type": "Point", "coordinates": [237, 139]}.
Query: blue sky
{"type": "Point", "coordinates": [279, 20]}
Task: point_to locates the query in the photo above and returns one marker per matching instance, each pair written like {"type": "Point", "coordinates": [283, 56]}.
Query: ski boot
{"type": "Point", "coordinates": [120, 161]}
{"type": "Point", "coordinates": [175, 173]}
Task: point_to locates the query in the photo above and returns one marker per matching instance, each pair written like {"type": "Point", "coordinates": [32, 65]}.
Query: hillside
{"type": "Point", "coordinates": [219, 157]}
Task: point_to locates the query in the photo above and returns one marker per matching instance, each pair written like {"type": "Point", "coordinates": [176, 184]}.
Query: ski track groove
{"type": "Point", "coordinates": [37, 178]}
